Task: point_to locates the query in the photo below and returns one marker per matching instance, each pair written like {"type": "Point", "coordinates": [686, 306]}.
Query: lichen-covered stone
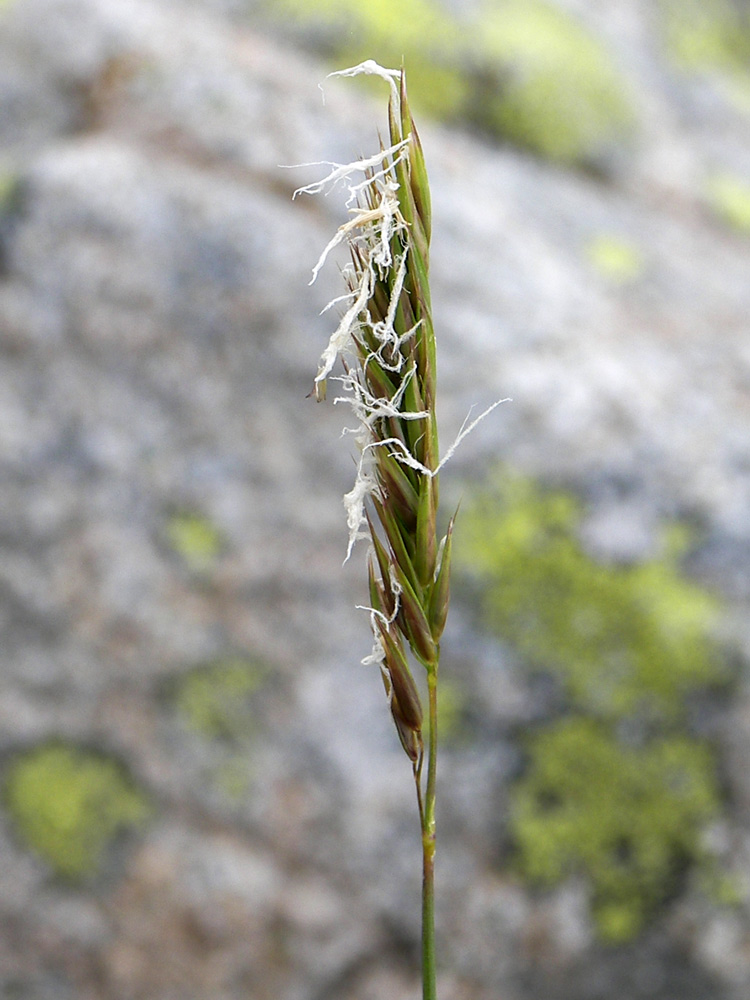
{"type": "Point", "coordinates": [525, 72]}
{"type": "Point", "coordinates": [157, 339]}
{"type": "Point", "coordinates": [622, 639]}
{"type": "Point", "coordinates": [712, 38]}
{"type": "Point", "coordinates": [628, 646]}
{"type": "Point", "coordinates": [729, 197]}
{"type": "Point", "coordinates": [419, 32]}
{"type": "Point", "coordinates": [67, 804]}
{"type": "Point", "coordinates": [615, 259]}
{"type": "Point", "coordinates": [630, 818]}
{"type": "Point", "coordinates": [9, 185]}
{"type": "Point", "coordinates": [708, 33]}
{"type": "Point", "coordinates": [551, 86]}
{"type": "Point", "coordinates": [195, 539]}
{"type": "Point", "coordinates": [216, 699]}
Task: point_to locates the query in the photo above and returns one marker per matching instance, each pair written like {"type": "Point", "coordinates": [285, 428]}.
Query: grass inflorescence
{"type": "Point", "coordinates": [386, 343]}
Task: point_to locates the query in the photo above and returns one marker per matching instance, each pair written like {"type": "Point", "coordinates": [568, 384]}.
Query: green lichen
{"type": "Point", "coordinates": [622, 639]}
{"type": "Point", "coordinates": [628, 645]}
{"type": "Point", "coordinates": [615, 259]}
{"type": "Point", "coordinates": [418, 32]}
{"type": "Point", "coordinates": [524, 71]}
{"type": "Point", "coordinates": [628, 817]}
{"type": "Point", "coordinates": [232, 777]}
{"type": "Point", "coordinates": [9, 187]}
{"type": "Point", "coordinates": [708, 33]}
{"type": "Point", "coordinates": [712, 36]}
{"type": "Point", "coordinates": [68, 804]}
{"type": "Point", "coordinates": [217, 700]}
{"type": "Point", "coordinates": [729, 197]}
{"type": "Point", "coordinates": [556, 91]}
{"type": "Point", "coordinates": [195, 539]}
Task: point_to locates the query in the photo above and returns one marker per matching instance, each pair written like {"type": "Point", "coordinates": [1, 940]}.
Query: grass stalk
{"type": "Point", "coordinates": [427, 815]}
{"type": "Point", "coordinates": [386, 343]}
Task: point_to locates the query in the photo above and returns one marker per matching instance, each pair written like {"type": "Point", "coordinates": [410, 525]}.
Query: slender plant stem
{"type": "Point", "coordinates": [429, 990]}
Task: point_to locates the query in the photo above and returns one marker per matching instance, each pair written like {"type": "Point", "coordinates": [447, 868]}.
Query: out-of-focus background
{"type": "Point", "coordinates": [202, 795]}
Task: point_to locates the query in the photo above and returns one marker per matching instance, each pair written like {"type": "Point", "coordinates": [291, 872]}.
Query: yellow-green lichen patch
{"type": "Point", "coordinates": [9, 187]}
{"type": "Point", "coordinates": [195, 539]}
{"type": "Point", "coordinates": [622, 639]}
{"type": "Point", "coordinates": [618, 790]}
{"type": "Point", "coordinates": [68, 804]}
{"type": "Point", "coordinates": [708, 33]}
{"type": "Point", "coordinates": [729, 197]}
{"type": "Point", "coordinates": [628, 817]}
{"type": "Point", "coordinates": [418, 33]}
{"type": "Point", "coordinates": [217, 700]}
{"type": "Point", "coordinates": [554, 89]}
{"type": "Point", "coordinates": [713, 36]}
{"type": "Point", "coordinates": [615, 259]}
{"type": "Point", "coordinates": [524, 71]}
{"type": "Point", "coordinates": [219, 703]}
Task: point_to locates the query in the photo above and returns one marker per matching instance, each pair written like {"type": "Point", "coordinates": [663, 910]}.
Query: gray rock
{"type": "Point", "coordinates": [158, 340]}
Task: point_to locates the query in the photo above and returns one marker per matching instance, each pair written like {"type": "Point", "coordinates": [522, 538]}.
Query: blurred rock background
{"type": "Point", "coordinates": [202, 795]}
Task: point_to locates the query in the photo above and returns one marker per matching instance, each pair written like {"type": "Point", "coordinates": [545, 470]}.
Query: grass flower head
{"type": "Point", "coordinates": [385, 342]}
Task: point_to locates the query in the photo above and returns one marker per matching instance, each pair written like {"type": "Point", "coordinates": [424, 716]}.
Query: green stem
{"type": "Point", "coordinates": [429, 991]}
